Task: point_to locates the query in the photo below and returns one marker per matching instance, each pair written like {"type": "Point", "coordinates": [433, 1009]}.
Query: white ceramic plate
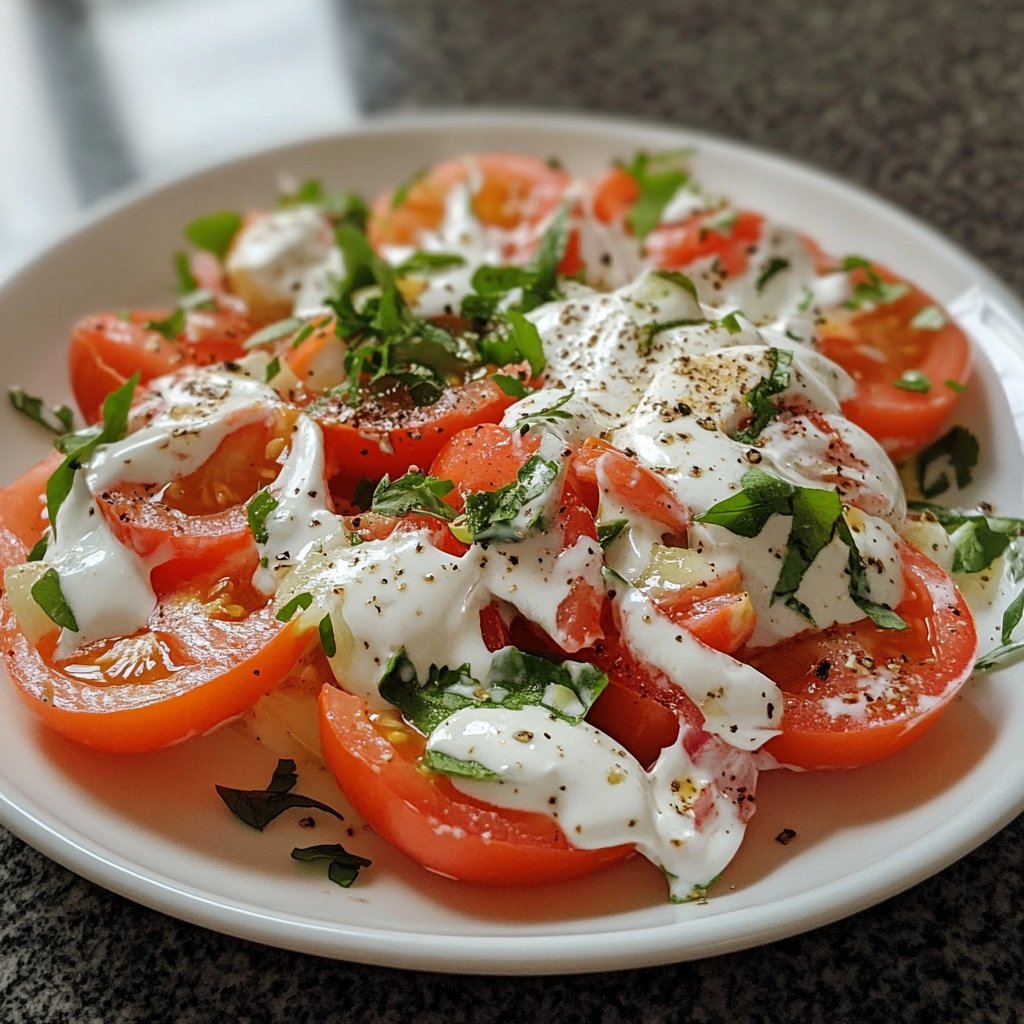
{"type": "Point", "coordinates": [153, 829]}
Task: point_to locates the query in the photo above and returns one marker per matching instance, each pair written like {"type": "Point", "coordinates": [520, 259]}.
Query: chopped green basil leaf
{"type": "Point", "coordinates": [607, 532]}
{"type": "Point", "coordinates": [79, 447]}
{"type": "Point", "coordinates": [425, 262]}
{"type": "Point", "coordinates": [929, 318]}
{"type": "Point", "coordinates": [759, 397]}
{"type": "Point", "coordinates": [34, 408]}
{"type": "Point", "coordinates": [658, 182]}
{"type": "Point", "coordinates": [509, 513]}
{"type": "Point", "coordinates": [1008, 647]}
{"type": "Point", "coordinates": [259, 807]}
{"type": "Point", "coordinates": [214, 232]}
{"type": "Point", "coordinates": [273, 368]}
{"type": "Point", "coordinates": [401, 194]}
{"type": "Point", "coordinates": [343, 867]}
{"type": "Point", "coordinates": [913, 380]}
{"type": "Point", "coordinates": [873, 291]}
{"type": "Point", "coordinates": [327, 638]}
{"type": "Point", "coordinates": [413, 492]}
{"type": "Point", "coordinates": [261, 505]}
{"type": "Point", "coordinates": [46, 593]}
{"type": "Point", "coordinates": [978, 539]}
{"type": "Point", "coordinates": [514, 680]}
{"type": "Point", "coordinates": [955, 386]}
{"type": "Point", "coordinates": [437, 761]}
{"type": "Point", "coordinates": [183, 269]}
{"type": "Point", "coordinates": [171, 326]}
{"type": "Point", "coordinates": [774, 266]}
{"type": "Point", "coordinates": [511, 385]}
{"type": "Point", "coordinates": [275, 331]}
{"type": "Point", "coordinates": [303, 601]}
{"type": "Point", "coordinates": [549, 414]}
{"type": "Point", "coordinates": [960, 447]}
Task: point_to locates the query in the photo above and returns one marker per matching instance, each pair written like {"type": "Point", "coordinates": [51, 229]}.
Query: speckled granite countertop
{"type": "Point", "coordinates": [927, 109]}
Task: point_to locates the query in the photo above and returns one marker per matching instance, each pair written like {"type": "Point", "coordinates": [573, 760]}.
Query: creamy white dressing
{"type": "Point", "coordinates": [280, 256]}
{"type": "Point", "coordinates": [678, 814]}
{"type": "Point", "coordinates": [301, 517]}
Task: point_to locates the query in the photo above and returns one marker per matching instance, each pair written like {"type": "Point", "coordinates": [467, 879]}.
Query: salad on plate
{"type": "Point", "coordinates": [549, 511]}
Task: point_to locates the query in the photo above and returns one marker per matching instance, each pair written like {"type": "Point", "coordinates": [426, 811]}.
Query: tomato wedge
{"type": "Point", "coordinates": [856, 694]}
{"type": "Point", "coordinates": [909, 362]}
{"type": "Point", "coordinates": [202, 659]}
{"type": "Point", "coordinates": [107, 348]}
{"type": "Point", "coordinates": [375, 759]}
{"type": "Point", "coordinates": [23, 510]}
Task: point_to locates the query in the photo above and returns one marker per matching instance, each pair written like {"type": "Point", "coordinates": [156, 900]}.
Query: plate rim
{"type": "Point", "coordinates": [527, 954]}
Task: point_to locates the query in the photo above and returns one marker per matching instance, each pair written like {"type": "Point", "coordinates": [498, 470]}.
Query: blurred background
{"type": "Point", "coordinates": [920, 101]}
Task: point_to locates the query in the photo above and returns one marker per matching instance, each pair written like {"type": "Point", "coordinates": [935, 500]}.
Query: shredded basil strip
{"type": "Point", "coordinates": [80, 446]}
{"type": "Point", "coordinates": [36, 410]}
{"type": "Point", "coordinates": [961, 448]}
{"type": "Point", "coordinates": [549, 414]}
{"type": "Point", "coordinates": [1008, 646]}
{"type": "Point", "coordinates": [47, 593]}
{"type": "Point", "coordinates": [303, 601]}
{"type": "Point", "coordinates": [343, 867]}
{"type": "Point", "coordinates": [260, 506]}
{"type": "Point", "coordinates": [759, 397]}
{"type": "Point", "coordinates": [774, 266]}
{"type": "Point", "coordinates": [327, 638]}
{"type": "Point", "coordinates": [259, 807]}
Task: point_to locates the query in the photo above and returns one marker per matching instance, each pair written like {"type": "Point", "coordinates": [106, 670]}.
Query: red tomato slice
{"type": "Point", "coordinates": [878, 346]}
{"type": "Point", "coordinates": [388, 433]}
{"type": "Point", "coordinates": [509, 190]}
{"type": "Point", "coordinates": [375, 759]}
{"type": "Point", "coordinates": [106, 348]}
{"type": "Point", "coordinates": [677, 245]}
{"type": "Point", "coordinates": [912, 676]}
{"type": "Point", "coordinates": [201, 660]}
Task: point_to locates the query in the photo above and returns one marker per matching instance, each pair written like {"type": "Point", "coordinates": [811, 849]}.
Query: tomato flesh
{"type": "Point", "coordinates": [878, 347]}
{"type": "Point", "coordinates": [107, 348]}
{"type": "Point", "coordinates": [198, 662]}
{"type": "Point", "coordinates": [855, 694]}
{"type": "Point", "coordinates": [376, 762]}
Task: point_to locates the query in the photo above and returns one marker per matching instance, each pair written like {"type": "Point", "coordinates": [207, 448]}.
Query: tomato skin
{"type": "Point", "coordinates": [107, 348]}
{"type": "Point", "coordinates": [930, 661]}
{"type": "Point", "coordinates": [388, 434]}
{"type": "Point", "coordinates": [223, 667]}
{"type": "Point", "coordinates": [677, 245]}
{"type": "Point", "coordinates": [513, 189]}
{"type": "Point", "coordinates": [876, 346]}
{"type": "Point", "coordinates": [422, 814]}
{"type": "Point", "coordinates": [23, 511]}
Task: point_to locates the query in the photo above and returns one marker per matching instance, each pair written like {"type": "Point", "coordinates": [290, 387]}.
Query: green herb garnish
{"type": "Point", "coordinates": [759, 397]}
{"type": "Point", "coordinates": [960, 447]}
{"type": "Point", "coordinates": [35, 409]}
{"type": "Point", "coordinates": [343, 867]}
{"type": "Point", "coordinates": [259, 807]}
{"type": "Point", "coordinates": [413, 492]}
{"type": "Point", "coordinates": [47, 593]}
{"type": "Point", "coordinates": [260, 506]}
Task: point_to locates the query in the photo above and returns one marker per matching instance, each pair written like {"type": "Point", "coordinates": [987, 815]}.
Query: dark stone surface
{"type": "Point", "coordinates": [924, 103]}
